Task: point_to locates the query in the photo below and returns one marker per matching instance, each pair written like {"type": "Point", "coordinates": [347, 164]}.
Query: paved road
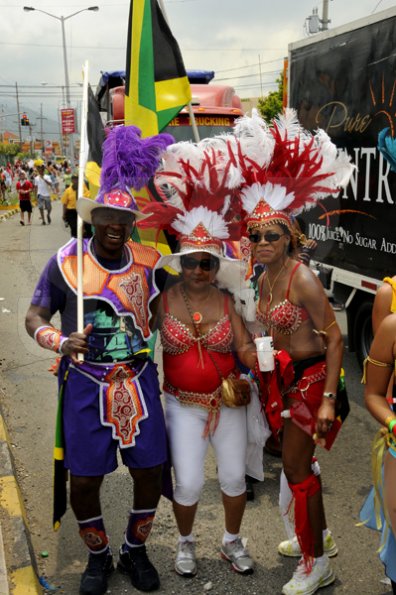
{"type": "Point", "coordinates": [28, 399]}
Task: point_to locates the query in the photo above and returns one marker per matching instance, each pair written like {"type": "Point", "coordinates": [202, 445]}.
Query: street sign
{"type": "Point", "coordinates": [68, 121]}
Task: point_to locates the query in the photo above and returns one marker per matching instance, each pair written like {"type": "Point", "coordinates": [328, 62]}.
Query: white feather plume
{"type": "Point", "coordinates": [288, 124]}
{"type": "Point", "coordinates": [255, 139]}
{"type": "Point", "coordinates": [212, 221]}
{"type": "Point", "coordinates": [335, 161]}
{"type": "Point", "coordinates": [273, 194]}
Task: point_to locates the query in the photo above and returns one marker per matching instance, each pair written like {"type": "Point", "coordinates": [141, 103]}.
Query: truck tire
{"type": "Point", "coordinates": [363, 331]}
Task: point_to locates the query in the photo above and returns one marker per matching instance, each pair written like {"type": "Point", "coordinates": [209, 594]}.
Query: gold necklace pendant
{"type": "Point", "coordinates": [197, 317]}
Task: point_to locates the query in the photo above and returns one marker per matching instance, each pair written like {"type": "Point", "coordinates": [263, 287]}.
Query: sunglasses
{"type": "Point", "coordinates": [206, 264]}
{"type": "Point", "coordinates": [268, 236]}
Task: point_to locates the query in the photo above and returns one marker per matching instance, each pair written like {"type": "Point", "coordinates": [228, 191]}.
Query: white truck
{"type": "Point", "coordinates": [344, 81]}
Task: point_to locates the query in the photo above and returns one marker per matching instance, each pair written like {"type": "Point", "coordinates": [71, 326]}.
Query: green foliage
{"type": "Point", "coordinates": [272, 105]}
{"type": "Point", "coordinates": [9, 150]}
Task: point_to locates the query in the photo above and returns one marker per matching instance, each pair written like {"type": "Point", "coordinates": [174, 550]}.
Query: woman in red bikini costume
{"type": "Point", "coordinates": [200, 331]}
{"type": "Point", "coordinates": [294, 309]}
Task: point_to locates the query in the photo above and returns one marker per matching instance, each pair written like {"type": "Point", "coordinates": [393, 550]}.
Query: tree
{"type": "Point", "coordinates": [272, 105]}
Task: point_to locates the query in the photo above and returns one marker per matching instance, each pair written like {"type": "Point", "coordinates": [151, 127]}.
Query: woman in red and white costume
{"type": "Point", "coordinates": [296, 169]}
{"type": "Point", "coordinates": [200, 332]}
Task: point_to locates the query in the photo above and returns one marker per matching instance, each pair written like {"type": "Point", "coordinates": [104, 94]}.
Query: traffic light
{"type": "Point", "coordinates": [25, 120]}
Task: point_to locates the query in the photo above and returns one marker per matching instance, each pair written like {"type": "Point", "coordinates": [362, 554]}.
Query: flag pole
{"type": "Point", "coordinates": [189, 105]}
{"type": "Point", "coordinates": [80, 223]}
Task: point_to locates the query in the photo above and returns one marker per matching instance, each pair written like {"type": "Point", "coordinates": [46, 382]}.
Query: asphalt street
{"type": "Point", "coordinates": [28, 401]}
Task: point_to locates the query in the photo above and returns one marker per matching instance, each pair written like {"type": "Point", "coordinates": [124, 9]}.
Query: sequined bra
{"type": "Point", "coordinates": [284, 318]}
{"type": "Point", "coordinates": [177, 338]}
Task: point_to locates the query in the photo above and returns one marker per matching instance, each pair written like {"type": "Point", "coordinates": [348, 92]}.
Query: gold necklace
{"type": "Point", "coordinates": [196, 316]}
{"type": "Point", "coordinates": [271, 286]}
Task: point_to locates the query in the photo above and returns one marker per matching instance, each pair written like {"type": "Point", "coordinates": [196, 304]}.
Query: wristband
{"type": "Point", "coordinates": [391, 425]}
{"type": "Point", "coordinates": [62, 342]}
{"type": "Point", "coordinates": [49, 337]}
{"type": "Point", "coordinates": [331, 396]}
{"type": "Point", "coordinates": [388, 420]}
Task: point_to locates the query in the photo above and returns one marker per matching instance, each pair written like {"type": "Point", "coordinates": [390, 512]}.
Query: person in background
{"type": "Point", "coordinates": [24, 188]}
{"type": "Point", "coordinates": [67, 177]}
{"type": "Point", "coordinates": [69, 203]}
{"type": "Point", "coordinates": [3, 186]}
{"type": "Point", "coordinates": [384, 302]}
{"type": "Point", "coordinates": [379, 369]}
{"type": "Point", "coordinates": [384, 306]}
{"type": "Point", "coordinates": [111, 400]}
{"type": "Point", "coordinates": [43, 185]}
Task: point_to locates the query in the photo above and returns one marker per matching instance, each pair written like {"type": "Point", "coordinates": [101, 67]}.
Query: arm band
{"type": "Point", "coordinates": [375, 362]}
{"type": "Point", "coordinates": [49, 337]}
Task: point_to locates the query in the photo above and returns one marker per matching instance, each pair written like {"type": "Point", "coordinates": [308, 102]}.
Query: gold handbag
{"type": "Point", "coordinates": [235, 392]}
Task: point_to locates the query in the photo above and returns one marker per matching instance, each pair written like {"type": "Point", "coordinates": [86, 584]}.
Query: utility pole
{"type": "Point", "coordinates": [261, 80]}
{"type": "Point", "coordinates": [41, 118]}
{"type": "Point", "coordinates": [31, 140]}
{"type": "Point", "coordinates": [18, 110]}
{"type": "Point", "coordinates": [325, 15]}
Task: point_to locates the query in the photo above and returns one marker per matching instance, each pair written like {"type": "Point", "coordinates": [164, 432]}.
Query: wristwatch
{"type": "Point", "coordinates": [330, 396]}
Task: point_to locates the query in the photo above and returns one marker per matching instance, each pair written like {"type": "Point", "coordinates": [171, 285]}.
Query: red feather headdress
{"type": "Point", "coordinates": [199, 185]}
{"type": "Point", "coordinates": [301, 169]}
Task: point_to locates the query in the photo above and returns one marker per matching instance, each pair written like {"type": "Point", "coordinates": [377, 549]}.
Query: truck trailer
{"type": "Point", "coordinates": [344, 81]}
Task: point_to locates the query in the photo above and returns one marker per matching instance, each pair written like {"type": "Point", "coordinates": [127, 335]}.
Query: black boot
{"type": "Point", "coordinates": [94, 577]}
{"type": "Point", "coordinates": [135, 563]}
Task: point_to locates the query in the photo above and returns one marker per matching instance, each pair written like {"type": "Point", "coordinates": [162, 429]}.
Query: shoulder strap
{"type": "Point", "coordinates": [392, 283]}
{"type": "Point", "coordinates": [298, 264]}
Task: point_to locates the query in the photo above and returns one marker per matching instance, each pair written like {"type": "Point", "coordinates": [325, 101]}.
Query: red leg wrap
{"type": "Point", "coordinates": [301, 492]}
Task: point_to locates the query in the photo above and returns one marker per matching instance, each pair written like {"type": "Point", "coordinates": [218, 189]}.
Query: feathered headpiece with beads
{"type": "Point", "coordinates": [129, 161]}
{"type": "Point", "coordinates": [199, 186]}
{"type": "Point", "coordinates": [299, 168]}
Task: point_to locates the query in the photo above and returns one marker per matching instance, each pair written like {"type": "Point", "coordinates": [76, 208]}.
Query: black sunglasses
{"type": "Point", "coordinates": [206, 264]}
{"type": "Point", "coordinates": [268, 236]}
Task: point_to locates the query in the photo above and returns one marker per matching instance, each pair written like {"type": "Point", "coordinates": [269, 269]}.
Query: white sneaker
{"type": "Point", "coordinates": [291, 547]}
{"type": "Point", "coordinates": [303, 583]}
{"type": "Point", "coordinates": [237, 554]}
{"type": "Point", "coordinates": [186, 564]}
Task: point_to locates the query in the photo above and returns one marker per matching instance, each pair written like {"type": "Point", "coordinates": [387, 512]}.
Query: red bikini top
{"type": "Point", "coordinates": [286, 317]}
{"type": "Point", "coordinates": [177, 338]}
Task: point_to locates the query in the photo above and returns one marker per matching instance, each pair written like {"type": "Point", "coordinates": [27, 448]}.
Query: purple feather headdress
{"type": "Point", "coordinates": [129, 161]}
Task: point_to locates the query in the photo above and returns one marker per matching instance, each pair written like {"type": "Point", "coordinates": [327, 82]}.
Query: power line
{"type": "Point", "coordinates": [378, 3]}
{"type": "Point", "coordinates": [122, 48]}
{"type": "Point", "coordinates": [250, 65]}
{"type": "Point", "coordinates": [244, 76]}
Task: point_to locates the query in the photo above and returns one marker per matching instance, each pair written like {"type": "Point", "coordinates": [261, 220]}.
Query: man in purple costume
{"type": "Point", "coordinates": [111, 399]}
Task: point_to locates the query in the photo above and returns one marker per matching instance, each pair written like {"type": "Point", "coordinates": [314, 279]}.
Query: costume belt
{"type": "Point", "coordinates": [121, 400]}
{"type": "Point", "coordinates": [211, 402]}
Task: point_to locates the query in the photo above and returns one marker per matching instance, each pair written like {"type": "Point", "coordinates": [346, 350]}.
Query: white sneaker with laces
{"type": "Point", "coordinates": [303, 583]}
{"type": "Point", "coordinates": [186, 563]}
{"type": "Point", "coordinates": [237, 554]}
{"type": "Point", "coordinates": [291, 547]}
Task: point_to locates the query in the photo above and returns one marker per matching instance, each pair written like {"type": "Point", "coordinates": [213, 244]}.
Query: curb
{"type": "Point", "coordinates": [18, 573]}
{"type": "Point", "coordinates": [7, 214]}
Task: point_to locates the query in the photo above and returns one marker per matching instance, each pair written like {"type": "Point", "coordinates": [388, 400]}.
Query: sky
{"type": "Point", "coordinates": [243, 41]}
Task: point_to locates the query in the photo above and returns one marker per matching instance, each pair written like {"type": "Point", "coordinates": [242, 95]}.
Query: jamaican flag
{"type": "Point", "coordinates": [156, 86]}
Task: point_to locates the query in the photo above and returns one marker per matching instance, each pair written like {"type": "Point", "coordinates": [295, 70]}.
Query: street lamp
{"type": "Point", "coordinates": [62, 21]}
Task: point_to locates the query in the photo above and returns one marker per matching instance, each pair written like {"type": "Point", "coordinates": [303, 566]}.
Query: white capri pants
{"type": "Point", "coordinates": [185, 427]}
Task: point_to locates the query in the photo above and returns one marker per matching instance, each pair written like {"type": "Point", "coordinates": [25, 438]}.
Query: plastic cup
{"type": "Point", "coordinates": [265, 353]}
